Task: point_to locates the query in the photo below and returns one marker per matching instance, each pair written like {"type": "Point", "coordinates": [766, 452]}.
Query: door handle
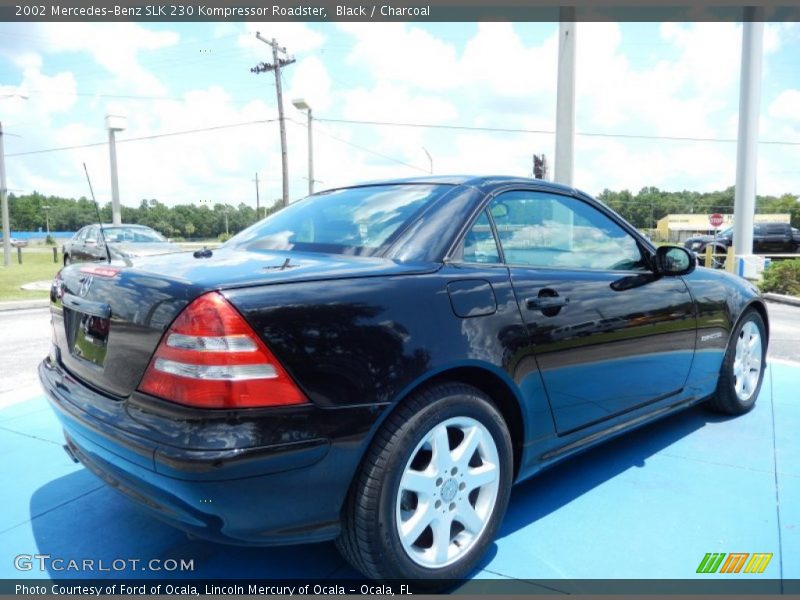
{"type": "Point", "coordinates": [546, 302]}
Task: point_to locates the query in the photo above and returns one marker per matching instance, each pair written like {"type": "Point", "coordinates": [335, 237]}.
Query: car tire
{"type": "Point", "coordinates": [67, 260]}
{"type": "Point", "coordinates": [743, 367]}
{"type": "Point", "coordinates": [448, 504]}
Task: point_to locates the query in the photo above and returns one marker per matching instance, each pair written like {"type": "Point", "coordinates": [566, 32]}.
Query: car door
{"type": "Point", "coordinates": [93, 245]}
{"type": "Point", "coordinates": [761, 240]}
{"type": "Point", "coordinates": [77, 247]}
{"type": "Point", "coordinates": [608, 334]}
{"type": "Point", "coordinates": [778, 238]}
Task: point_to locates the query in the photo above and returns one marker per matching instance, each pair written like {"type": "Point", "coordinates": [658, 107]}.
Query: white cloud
{"type": "Point", "coordinates": [786, 106]}
{"type": "Point", "coordinates": [114, 46]}
{"type": "Point", "coordinates": [295, 37]}
{"type": "Point", "coordinates": [396, 72]}
{"type": "Point", "coordinates": [311, 82]}
{"type": "Point", "coordinates": [398, 53]}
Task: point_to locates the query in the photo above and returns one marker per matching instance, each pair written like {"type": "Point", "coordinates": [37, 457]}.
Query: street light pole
{"type": "Point", "coordinates": [4, 202]}
{"type": "Point", "coordinates": [258, 200]}
{"type": "Point", "coordinates": [46, 210]}
{"type": "Point", "coordinates": [301, 104]}
{"type": "Point", "coordinates": [310, 153]}
{"type": "Point", "coordinates": [430, 159]}
{"type": "Point", "coordinates": [114, 123]}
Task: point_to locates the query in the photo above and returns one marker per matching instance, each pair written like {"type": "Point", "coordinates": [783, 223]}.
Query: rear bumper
{"type": "Point", "coordinates": [272, 479]}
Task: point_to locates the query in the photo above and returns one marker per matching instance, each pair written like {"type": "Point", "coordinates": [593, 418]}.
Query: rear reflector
{"type": "Point", "coordinates": [230, 343]}
{"type": "Point", "coordinates": [216, 372]}
{"type": "Point", "coordinates": [211, 358]}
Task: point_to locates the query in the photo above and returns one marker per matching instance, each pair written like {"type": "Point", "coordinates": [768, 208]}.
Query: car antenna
{"type": "Point", "coordinates": [97, 210]}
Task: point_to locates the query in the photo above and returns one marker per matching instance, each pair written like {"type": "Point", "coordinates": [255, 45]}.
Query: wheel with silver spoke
{"type": "Point", "coordinates": [747, 361]}
{"type": "Point", "coordinates": [743, 366]}
{"type": "Point", "coordinates": [447, 492]}
{"type": "Point", "coordinates": [433, 488]}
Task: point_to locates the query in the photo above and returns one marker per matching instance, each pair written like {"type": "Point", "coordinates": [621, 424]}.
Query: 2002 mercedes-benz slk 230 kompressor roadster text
{"type": "Point", "coordinates": [377, 364]}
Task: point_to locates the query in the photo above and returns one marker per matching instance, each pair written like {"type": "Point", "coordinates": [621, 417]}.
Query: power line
{"type": "Point", "coordinates": [134, 96]}
{"type": "Point", "coordinates": [362, 148]}
{"type": "Point", "coordinates": [144, 137]}
{"type": "Point", "coordinates": [549, 131]}
{"type": "Point", "coordinates": [98, 95]}
{"type": "Point", "coordinates": [172, 55]}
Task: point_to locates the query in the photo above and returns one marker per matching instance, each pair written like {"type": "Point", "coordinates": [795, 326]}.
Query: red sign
{"type": "Point", "coordinates": [716, 219]}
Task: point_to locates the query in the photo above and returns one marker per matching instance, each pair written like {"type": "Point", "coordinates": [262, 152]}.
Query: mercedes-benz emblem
{"type": "Point", "coordinates": [86, 283]}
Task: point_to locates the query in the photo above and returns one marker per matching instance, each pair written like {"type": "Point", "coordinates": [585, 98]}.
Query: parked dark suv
{"type": "Point", "coordinates": [768, 238]}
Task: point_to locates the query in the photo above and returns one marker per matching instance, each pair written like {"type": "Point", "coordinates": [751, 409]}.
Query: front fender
{"type": "Point", "coordinates": [720, 300]}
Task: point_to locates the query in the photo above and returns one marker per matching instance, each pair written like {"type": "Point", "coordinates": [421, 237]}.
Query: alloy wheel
{"type": "Point", "coordinates": [747, 361]}
{"type": "Point", "coordinates": [447, 492]}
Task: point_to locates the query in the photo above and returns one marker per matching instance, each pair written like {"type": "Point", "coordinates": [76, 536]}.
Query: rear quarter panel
{"type": "Point", "coordinates": [373, 340]}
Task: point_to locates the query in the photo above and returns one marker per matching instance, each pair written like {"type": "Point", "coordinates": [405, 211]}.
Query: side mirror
{"type": "Point", "coordinates": [674, 260]}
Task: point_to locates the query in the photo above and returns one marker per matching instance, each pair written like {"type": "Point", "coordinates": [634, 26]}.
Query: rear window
{"type": "Point", "coordinates": [359, 221]}
{"type": "Point", "coordinates": [138, 235]}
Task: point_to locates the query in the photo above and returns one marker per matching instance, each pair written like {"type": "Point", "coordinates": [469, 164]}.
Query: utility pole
{"type": "Point", "coordinates": [4, 202]}
{"type": "Point", "coordinates": [276, 65]}
{"type": "Point", "coordinates": [258, 202]}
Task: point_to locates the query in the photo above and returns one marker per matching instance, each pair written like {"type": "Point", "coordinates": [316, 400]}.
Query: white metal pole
{"type": "Point", "coordinates": [116, 217]}
{"type": "Point", "coordinates": [430, 159]}
{"type": "Point", "coordinates": [4, 202]}
{"type": "Point", "coordinates": [310, 153]}
{"type": "Point", "coordinates": [565, 97]}
{"type": "Point", "coordinates": [747, 142]}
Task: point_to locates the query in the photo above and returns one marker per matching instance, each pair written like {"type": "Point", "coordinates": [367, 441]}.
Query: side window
{"type": "Point", "coordinates": [479, 245]}
{"type": "Point", "coordinates": [548, 230]}
{"type": "Point", "coordinates": [80, 235]}
{"type": "Point", "coordinates": [91, 234]}
{"type": "Point", "coordinates": [777, 229]}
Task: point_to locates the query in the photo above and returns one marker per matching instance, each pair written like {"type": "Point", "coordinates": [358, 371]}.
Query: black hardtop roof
{"type": "Point", "coordinates": [482, 182]}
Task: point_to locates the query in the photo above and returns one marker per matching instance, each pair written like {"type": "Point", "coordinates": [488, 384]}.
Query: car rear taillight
{"type": "Point", "coordinates": [100, 270]}
{"type": "Point", "coordinates": [211, 358]}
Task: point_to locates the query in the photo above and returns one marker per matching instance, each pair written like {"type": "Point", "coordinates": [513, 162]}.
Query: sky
{"type": "Point", "coordinates": [437, 81]}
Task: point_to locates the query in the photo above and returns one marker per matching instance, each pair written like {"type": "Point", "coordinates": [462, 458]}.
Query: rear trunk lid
{"type": "Point", "coordinates": [108, 319]}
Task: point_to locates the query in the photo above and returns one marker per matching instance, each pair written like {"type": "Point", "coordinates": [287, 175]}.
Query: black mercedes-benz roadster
{"type": "Point", "coordinates": [378, 364]}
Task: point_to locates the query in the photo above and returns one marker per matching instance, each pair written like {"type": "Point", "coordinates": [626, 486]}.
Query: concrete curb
{"type": "Point", "coordinates": [24, 304]}
{"type": "Point", "coordinates": [783, 299]}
